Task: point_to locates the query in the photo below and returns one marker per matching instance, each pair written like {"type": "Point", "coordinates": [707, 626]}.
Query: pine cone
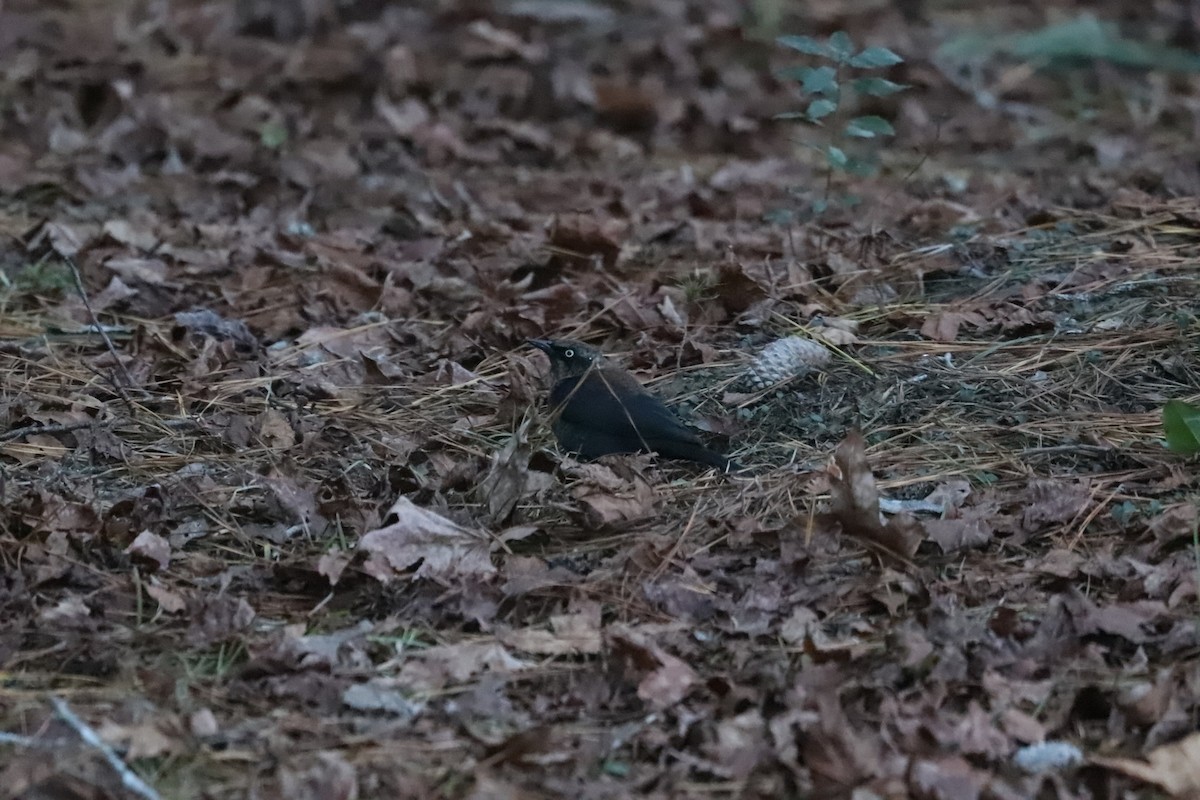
{"type": "Point", "coordinates": [784, 359]}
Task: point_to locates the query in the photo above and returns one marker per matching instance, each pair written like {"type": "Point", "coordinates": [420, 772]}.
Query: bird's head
{"type": "Point", "coordinates": [568, 357]}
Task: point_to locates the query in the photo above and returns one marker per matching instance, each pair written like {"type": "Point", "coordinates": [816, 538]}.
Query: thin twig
{"type": "Point", "coordinates": [129, 778]}
{"type": "Point", "coordinates": [17, 433]}
{"type": "Point", "coordinates": [112, 350]}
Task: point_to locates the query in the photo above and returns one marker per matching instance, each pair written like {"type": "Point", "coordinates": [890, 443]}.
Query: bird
{"type": "Point", "coordinates": [601, 409]}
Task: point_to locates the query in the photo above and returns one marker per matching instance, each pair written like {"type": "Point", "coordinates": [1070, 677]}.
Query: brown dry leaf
{"type": "Point", "coordinates": [1134, 622]}
{"type": "Point", "coordinates": [67, 239]}
{"type": "Point", "coordinates": [1060, 562]}
{"type": "Point", "coordinates": [116, 292]}
{"type": "Point", "coordinates": [570, 634]}
{"type": "Point", "coordinates": [505, 481]}
{"type": "Point", "coordinates": [490, 787]}
{"type": "Point", "coordinates": [627, 107]}
{"type": "Point", "coordinates": [838, 753]}
{"type": "Point", "coordinates": [45, 512]}
{"type": "Point", "coordinates": [275, 431]}
{"type": "Point", "coordinates": [944, 327]}
{"type": "Point", "coordinates": [962, 529]}
{"type": "Point", "coordinates": [1148, 702]}
{"type": "Point", "coordinates": [146, 739]}
{"type": "Point", "coordinates": [855, 502]}
{"type": "Point", "coordinates": [539, 746]}
{"type": "Point", "coordinates": [152, 271]}
{"type": "Point", "coordinates": [741, 744]}
{"type": "Point", "coordinates": [437, 667]}
{"type": "Point", "coordinates": [333, 563]}
{"type": "Point", "coordinates": [608, 498]}
{"type": "Point", "coordinates": [977, 733]}
{"type": "Point", "coordinates": [168, 601]}
{"type": "Point", "coordinates": [586, 235]}
{"type": "Point", "coordinates": [1022, 726]}
{"type": "Point", "coordinates": [1049, 501]}
{"type": "Point", "coordinates": [382, 694]}
{"type": "Point", "coordinates": [35, 447]}
{"type": "Point", "coordinates": [1174, 768]}
{"type": "Point", "coordinates": [1175, 522]}
{"type": "Point", "coordinates": [218, 618]}
{"type": "Point", "coordinates": [803, 628]}
{"type": "Point", "coordinates": [949, 778]}
{"type": "Point", "coordinates": [321, 776]}
{"type": "Point", "coordinates": [446, 551]}
{"type": "Point", "coordinates": [663, 680]}
{"type": "Point", "coordinates": [151, 549]}
{"type": "Point", "coordinates": [737, 290]}
{"type": "Point", "coordinates": [139, 236]}
{"type": "Point", "coordinates": [296, 649]}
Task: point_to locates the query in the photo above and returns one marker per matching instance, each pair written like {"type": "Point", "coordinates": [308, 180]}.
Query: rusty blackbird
{"type": "Point", "coordinates": [600, 409]}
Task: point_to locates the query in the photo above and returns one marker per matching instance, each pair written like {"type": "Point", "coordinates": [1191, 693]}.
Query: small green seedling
{"type": "Point", "coordinates": [831, 84]}
{"type": "Point", "coordinates": [1181, 427]}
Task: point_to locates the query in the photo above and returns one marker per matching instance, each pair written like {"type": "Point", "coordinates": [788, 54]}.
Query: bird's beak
{"type": "Point", "coordinates": [541, 344]}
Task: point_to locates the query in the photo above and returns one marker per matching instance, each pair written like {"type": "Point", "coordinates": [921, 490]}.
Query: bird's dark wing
{"type": "Point", "coordinates": [607, 411]}
{"type": "Point", "coordinates": [614, 405]}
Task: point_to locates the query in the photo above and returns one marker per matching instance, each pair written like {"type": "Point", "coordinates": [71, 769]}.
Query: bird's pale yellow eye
{"type": "Point", "coordinates": [569, 353]}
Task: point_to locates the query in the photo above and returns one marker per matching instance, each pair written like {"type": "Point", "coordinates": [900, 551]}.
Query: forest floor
{"type": "Point", "coordinates": [280, 512]}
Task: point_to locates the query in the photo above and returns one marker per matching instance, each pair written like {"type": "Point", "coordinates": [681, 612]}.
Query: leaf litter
{"type": "Point", "coordinates": [281, 513]}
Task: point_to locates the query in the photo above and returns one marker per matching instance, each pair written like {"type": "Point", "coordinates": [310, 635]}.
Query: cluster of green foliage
{"type": "Point", "coordinates": [832, 84]}
{"type": "Point", "coordinates": [1181, 426]}
{"type": "Point", "coordinates": [39, 277]}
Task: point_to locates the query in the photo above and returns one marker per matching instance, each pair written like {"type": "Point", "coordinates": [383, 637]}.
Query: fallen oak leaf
{"type": "Point", "coordinates": [855, 502]}
{"type": "Point", "coordinates": [1174, 768]}
{"type": "Point", "coordinates": [151, 550]}
{"type": "Point", "coordinates": [445, 550]}
{"type": "Point", "coordinates": [663, 679]}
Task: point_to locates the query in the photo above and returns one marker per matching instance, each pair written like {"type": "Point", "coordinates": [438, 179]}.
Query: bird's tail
{"type": "Point", "coordinates": [698, 453]}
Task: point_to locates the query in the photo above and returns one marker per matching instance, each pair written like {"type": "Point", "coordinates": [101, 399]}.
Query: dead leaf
{"type": "Point", "coordinates": [275, 431]}
{"type": "Point", "coordinates": [168, 601]}
{"type": "Point", "coordinates": [663, 680]}
{"type": "Point", "coordinates": [948, 778]}
{"type": "Point", "coordinates": [319, 776]}
{"type": "Point", "coordinates": [151, 549]}
{"type": "Point", "coordinates": [504, 483]}
{"type": "Point", "coordinates": [1173, 768]}
{"type": "Point", "coordinates": [441, 666]}
{"type": "Point", "coordinates": [444, 550]}
{"type": "Point", "coordinates": [570, 634]}
{"type": "Point", "coordinates": [855, 502]}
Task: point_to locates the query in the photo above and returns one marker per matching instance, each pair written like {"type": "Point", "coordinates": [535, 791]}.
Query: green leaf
{"type": "Point", "coordinates": [804, 44]}
{"type": "Point", "coordinates": [1181, 426]}
{"type": "Point", "coordinates": [874, 57]}
{"type": "Point", "coordinates": [821, 80]}
{"type": "Point", "coordinates": [877, 87]}
{"type": "Point", "coordinates": [1086, 37]}
{"type": "Point", "coordinates": [869, 127]}
{"type": "Point", "coordinates": [819, 109]}
{"type": "Point", "coordinates": [840, 46]}
{"type": "Point", "coordinates": [836, 157]}
{"type": "Point", "coordinates": [792, 115]}
{"type": "Point", "coordinates": [814, 80]}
